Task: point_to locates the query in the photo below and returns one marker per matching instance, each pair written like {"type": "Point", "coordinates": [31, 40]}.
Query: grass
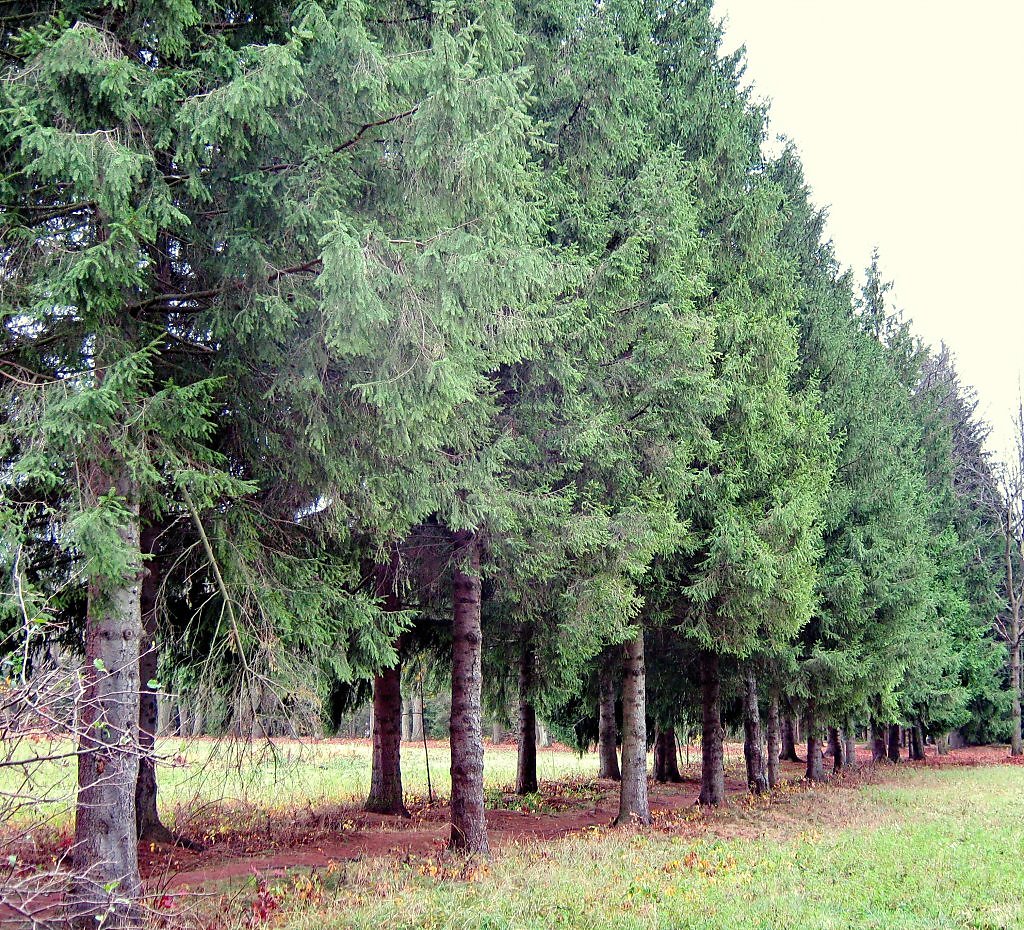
{"type": "Point", "coordinates": [928, 850]}
{"type": "Point", "coordinates": [925, 848]}
{"type": "Point", "coordinates": [286, 775]}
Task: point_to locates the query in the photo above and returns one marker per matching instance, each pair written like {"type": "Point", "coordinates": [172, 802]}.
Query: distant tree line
{"type": "Point", "coordinates": [485, 334]}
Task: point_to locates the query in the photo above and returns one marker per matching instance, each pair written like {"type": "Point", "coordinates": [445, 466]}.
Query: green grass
{"type": "Point", "coordinates": [930, 850]}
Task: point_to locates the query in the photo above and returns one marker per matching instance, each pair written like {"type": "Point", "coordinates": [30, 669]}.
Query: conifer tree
{"type": "Point", "coordinates": [749, 581]}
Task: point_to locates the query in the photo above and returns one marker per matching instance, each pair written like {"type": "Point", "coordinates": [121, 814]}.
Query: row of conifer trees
{"type": "Point", "coordinates": [335, 333]}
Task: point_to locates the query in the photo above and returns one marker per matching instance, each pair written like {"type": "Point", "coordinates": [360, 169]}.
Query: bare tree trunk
{"type": "Point", "coordinates": [942, 744]}
{"type": "Point", "coordinates": [526, 762]}
{"type": "Point", "coordinates": [850, 756]}
{"type": "Point", "coordinates": [774, 740]}
{"type": "Point", "coordinates": [878, 731]}
{"type": "Point", "coordinates": [712, 771]}
{"type": "Point", "coordinates": [469, 824]}
{"type": "Point", "coordinates": [789, 739]}
{"type": "Point", "coordinates": [406, 720]}
{"type": "Point", "coordinates": [753, 754]}
{"type": "Point", "coordinates": [815, 768]}
{"type": "Point", "coordinates": [835, 748]}
{"type": "Point", "coordinates": [894, 742]}
{"type": "Point", "coordinates": [666, 760]}
{"type": "Point", "coordinates": [105, 887]}
{"type": "Point", "coordinates": [386, 794]}
{"type": "Point", "coordinates": [1016, 739]}
{"type": "Point", "coordinates": [607, 729]}
{"type": "Point", "coordinates": [417, 716]}
{"type": "Point", "coordinates": [149, 827]}
{"type": "Point", "coordinates": [165, 710]}
{"type": "Point", "coordinates": [916, 743]}
{"type": "Point", "coordinates": [633, 803]}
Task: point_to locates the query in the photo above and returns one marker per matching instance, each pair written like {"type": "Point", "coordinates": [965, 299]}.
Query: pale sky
{"type": "Point", "coordinates": [909, 118]}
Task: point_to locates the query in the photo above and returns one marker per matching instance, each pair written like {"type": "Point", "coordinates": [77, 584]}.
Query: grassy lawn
{"type": "Point", "coordinates": [923, 848]}
{"type": "Point", "coordinates": [929, 849]}
{"type": "Point", "coordinates": [287, 775]}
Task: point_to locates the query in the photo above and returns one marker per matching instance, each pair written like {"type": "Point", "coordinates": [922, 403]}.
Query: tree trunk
{"type": "Point", "coordinates": [835, 748]}
{"type": "Point", "coordinates": [148, 825]}
{"type": "Point", "coordinates": [666, 760]}
{"type": "Point", "coordinates": [774, 740]}
{"type": "Point", "coordinates": [633, 787]}
{"type": "Point", "coordinates": [878, 752]}
{"type": "Point", "coordinates": [1016, 739]}
{"type": "Point", "coordinates": [753, 754]}
{"type": "Point", "coordinates": [815, 767]}
{"type": "Point", "coordinates": [607, 729]}
{"type": "Point", "coordinates": [417, 716]}
{"type": "Point", "coordinates": [917, 743]}
{"type": "Point", "coordinates": [165, 710]}
{"type": "Point", "coordinates": [789, 753]}
{"type": "Point", "coordinates": [469, 824]}
{"type": "Point", "coordinates": [386, 795]}
{"type": "Point", "coordinates": [712, 770]}
{"type": "Point", "coordinates": [894, 742]}
{"type": "Point", "coordinates": [526, 762]}
{"type": "Point", "coordinates": [106, 886]}
{"type": "Point", "coordinates": [850, 755]}
{"type": "Point", "coordinates": [942, 744]}
{"type": "Point", "coordinates": [406, 720]}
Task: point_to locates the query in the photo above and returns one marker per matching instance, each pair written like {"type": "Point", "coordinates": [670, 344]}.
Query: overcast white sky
{"type": "Point", "coordinates": [909, 119]}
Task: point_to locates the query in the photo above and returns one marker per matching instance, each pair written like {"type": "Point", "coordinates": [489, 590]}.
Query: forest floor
{"type": "Point", "coordinates": [286, 856]}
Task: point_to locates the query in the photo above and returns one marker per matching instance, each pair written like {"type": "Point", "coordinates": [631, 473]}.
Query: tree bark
{"type": "Point", "coordinates": [894, 742]}
{"type": "Point", "coordinates": [850, 754]}
{"type": "Point", "coordinates": [1016, 739]}
{"type": "Point", "coordinates": [753, 753]}
{"type": "Point", "coordinates": [789, 753]}
{"type": "Point", "coordinates": [774, 740]}
{"type": "Point", "coordinates": [386, 795]}
{"type": "Point", "coordinates": [607, 729]}
{"type": "Point", "coordinates": [836, 748]}
{"type": "Point", "coordinates": [526, 762]}
{"type": "Point", "coordinates": [166, 725]}
{"type": "Point", "coordinates": [106, 886]}
{"type": "Point", "coordinates": [469, 824]}
{"type": "Point", "coordinates": [417, 716]}
{"type": "Point", "coordinates": [878, 752]}
{"type": "Point", "coordinates": [712, 770]}
{"type": "Point", "coordinates": [815, 768]}
{"type": "Point", "coordinates": [666, 760]}
{"type": "Point", "coordinates": [406, 720]}
{"type": "Point", "coordinates": [149, 827]}
{"type": "Point", "coordinates": [917, 743]}
{"type": "Point", "coordinates": [633, 805]}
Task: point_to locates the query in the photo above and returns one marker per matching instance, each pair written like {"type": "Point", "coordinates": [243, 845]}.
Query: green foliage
{"type": "Point", "coordinates": [308, 286]}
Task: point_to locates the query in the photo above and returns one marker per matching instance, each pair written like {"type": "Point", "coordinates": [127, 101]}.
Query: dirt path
{"type": "Point", "coordinates": [373, 835]}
